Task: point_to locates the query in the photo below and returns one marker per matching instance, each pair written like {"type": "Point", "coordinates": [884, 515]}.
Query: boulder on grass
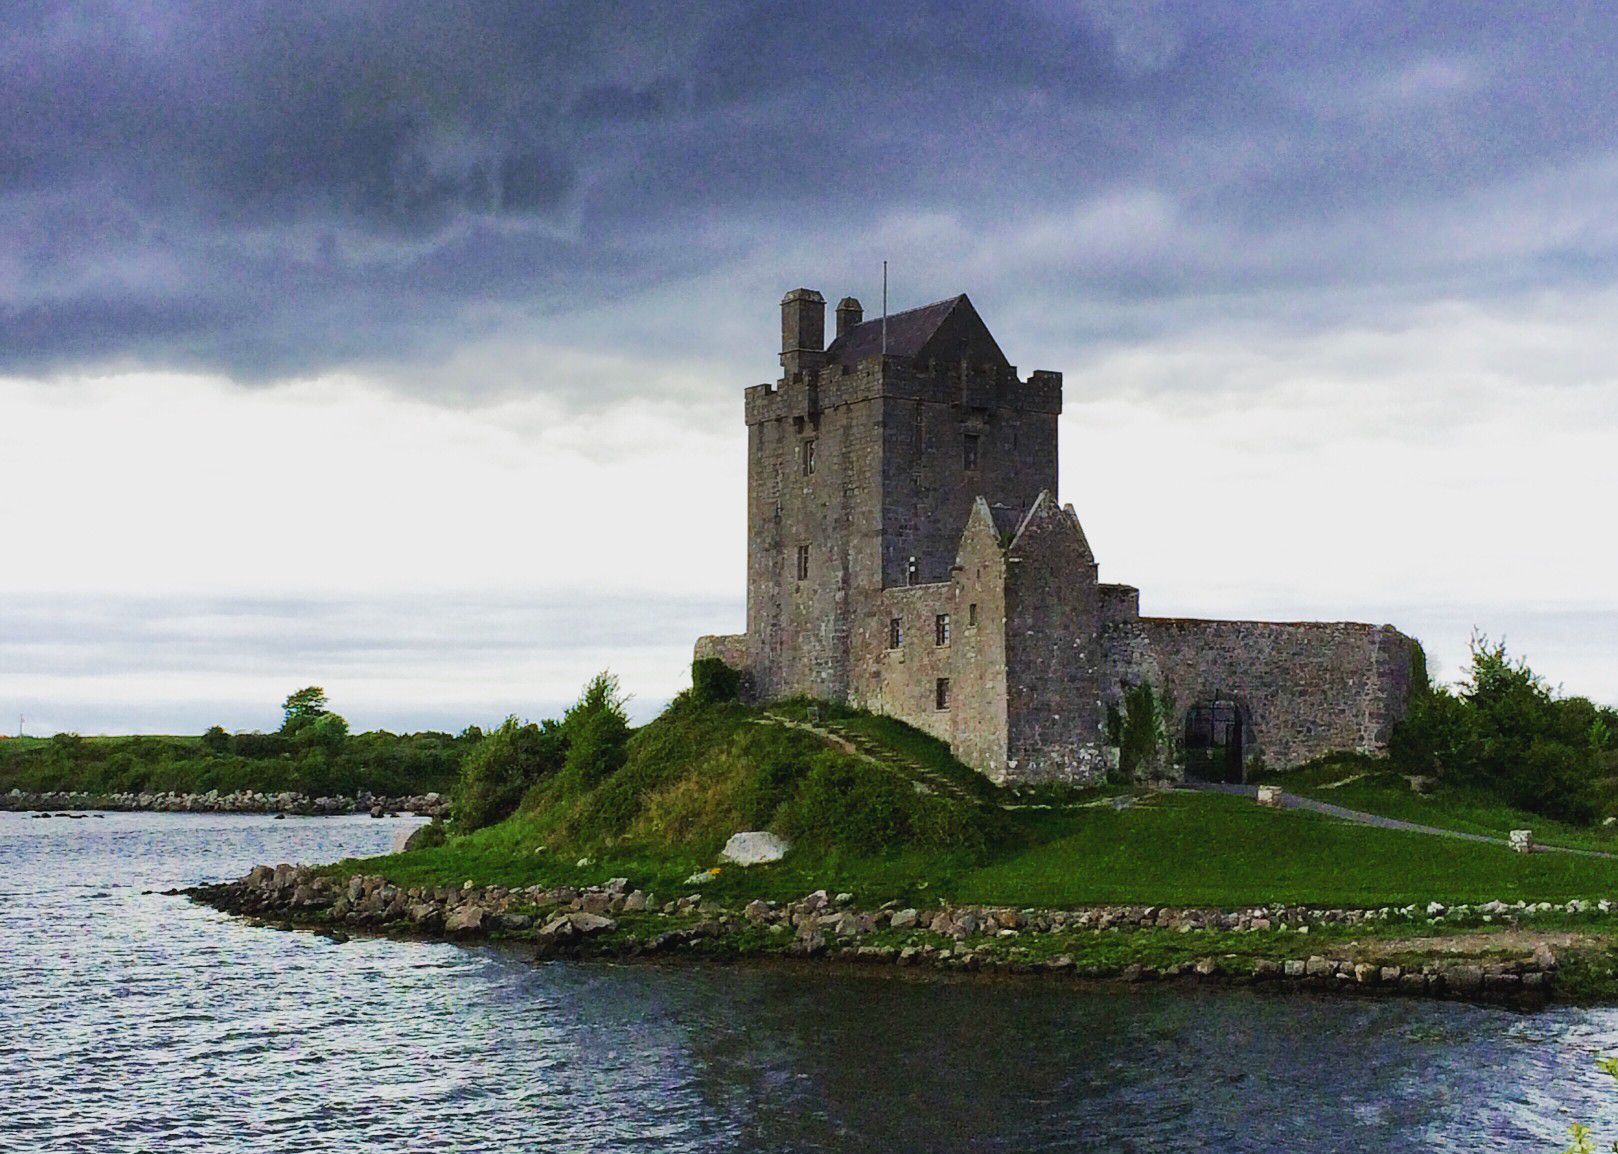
{"type": "Point", "coordinates": [754, 847]}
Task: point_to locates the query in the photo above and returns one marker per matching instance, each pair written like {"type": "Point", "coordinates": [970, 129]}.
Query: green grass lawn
{"type": "Point", "coordinates": [1373, 789]}
{"type": "Point", "coordinates": [1173, 849]}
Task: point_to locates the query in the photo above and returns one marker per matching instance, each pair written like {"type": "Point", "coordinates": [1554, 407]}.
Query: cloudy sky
{"type": "Point", "coordinates": [399, 348]}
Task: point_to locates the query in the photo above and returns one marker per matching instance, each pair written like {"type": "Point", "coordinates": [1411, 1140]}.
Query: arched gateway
{"type": "Point", "coordinates": [1218, 740]}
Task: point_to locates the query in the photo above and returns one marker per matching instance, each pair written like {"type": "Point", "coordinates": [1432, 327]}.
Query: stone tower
{"type": "Point", "coordinates": [862, 468]}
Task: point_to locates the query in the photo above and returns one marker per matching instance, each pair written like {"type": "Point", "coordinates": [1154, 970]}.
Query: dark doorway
{"type": "Point", "coordinates": [1215, 742]}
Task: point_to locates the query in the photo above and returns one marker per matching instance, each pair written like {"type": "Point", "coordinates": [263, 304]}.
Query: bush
{"type": "Point", "coordinates": [712, 682]}
{"type": "Point", "coordinates": [597, 731]}
{"type": "Point", "coordinates": [500, 768]}
{"type": "Point", "coordinates": [1505, 732]}
{"type": "Point", "coordinates": [843, 803]}
{"type": "Point", "coordinates": [429, 836]}
{"type": "Point", "coordinates": [1140, 731]}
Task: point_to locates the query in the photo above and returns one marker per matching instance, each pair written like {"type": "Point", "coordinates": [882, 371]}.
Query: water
{"type": "Point", "coordinates": [137, 1022]}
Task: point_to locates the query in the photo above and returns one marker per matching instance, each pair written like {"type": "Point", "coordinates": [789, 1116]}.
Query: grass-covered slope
{"type": "Point", "coordinates": [700, 773]}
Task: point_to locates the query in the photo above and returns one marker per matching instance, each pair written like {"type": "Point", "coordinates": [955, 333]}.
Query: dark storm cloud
{"type": "Point", "coordinates": [268, 189]}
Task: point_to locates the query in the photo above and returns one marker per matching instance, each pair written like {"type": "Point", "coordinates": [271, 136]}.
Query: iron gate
{"type": "Point", "coordinates": [1214, 737]}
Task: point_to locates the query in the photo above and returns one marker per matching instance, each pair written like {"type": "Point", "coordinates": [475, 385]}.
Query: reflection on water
{"type": "Point", "coordinates": [136, 1022]}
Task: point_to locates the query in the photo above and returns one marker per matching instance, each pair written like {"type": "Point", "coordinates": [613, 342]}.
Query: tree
{"type": "Point", "coordinates": [1503, 730]}
{"type": "Point", "coordinates": [597, 730]}
{"type": "Point", "coordinates": [499, 769]}
{"type": "Point", "coordinates": [326, 731]}
{"type": "Point", "coordinates": [216, 740]}
{"type": "Point", "coordinates": [302, 707]}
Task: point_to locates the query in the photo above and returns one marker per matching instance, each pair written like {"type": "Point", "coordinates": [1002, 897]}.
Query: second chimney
{"type": "Point", "coordinates": [849, 314]}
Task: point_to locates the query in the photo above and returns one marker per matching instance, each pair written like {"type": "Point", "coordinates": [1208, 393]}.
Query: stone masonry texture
{"type": "Point", "coordinates": [906, 554]}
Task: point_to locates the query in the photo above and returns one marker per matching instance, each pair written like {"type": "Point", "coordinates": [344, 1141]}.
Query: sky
{"type": "Point", "coordinates": [399, 348]}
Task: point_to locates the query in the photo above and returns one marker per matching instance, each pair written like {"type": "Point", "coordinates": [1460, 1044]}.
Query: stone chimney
{"type": "Point", "coordinates": [803, 331]}
{"type": "Point", "coordinates": [849, 314]}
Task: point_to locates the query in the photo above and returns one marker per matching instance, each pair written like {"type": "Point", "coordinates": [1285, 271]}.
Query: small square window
{"type": "Point", "coordinates": [941, 629]}
{"type": "Point", "coordinates": [896, 633]}
{"type": "Point", "coordinates": [941, 693]}
{"type": "Point", "coordinates": [809, 457]}
{"type": "Point", "coordinates": [972, 614]}
{"type": "Point", "coordinates": [969, 452]}
{"type": "Point", "coordinates": [803, 562]}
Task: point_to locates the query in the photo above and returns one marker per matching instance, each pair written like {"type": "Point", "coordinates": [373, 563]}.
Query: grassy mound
{"type": "Point", "coordinates": [700, 773]}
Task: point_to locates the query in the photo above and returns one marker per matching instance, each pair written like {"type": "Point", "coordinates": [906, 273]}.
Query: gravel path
{"type": "Point", "coordinates": [1294, 801]}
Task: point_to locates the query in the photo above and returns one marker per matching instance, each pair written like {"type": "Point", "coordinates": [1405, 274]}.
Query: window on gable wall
{"type": "Point", "coordinates": [941, 629]}
{"type": "Point", "coordinates": [969, 452]}
{"type": "Point", "coordinates": [972, 613]}
{"type": "Point", "coordinates": [941, 694]}
{"type": "Point", "coordinates": [809, 457]}
{"type": "Point", "coordinates": [803, 562]}
{"type": "Point", "coordinates": [896, 633]}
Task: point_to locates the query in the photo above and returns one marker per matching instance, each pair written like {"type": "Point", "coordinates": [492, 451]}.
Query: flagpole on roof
{"type": "Point", "coordinates": [884, 308]}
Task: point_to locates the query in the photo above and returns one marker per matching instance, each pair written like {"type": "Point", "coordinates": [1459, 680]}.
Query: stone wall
{"type": "Point", "coordinates": [798, 629]}
{"type": "Point", "coordinates": [978, 709]}
{"type": "Point", "coordinates": [1306, 688]}
{"type": "Point", "coordinates": [902, 682]}
{"type": "Point", "coordinates": [1054, 719]}
{"type": "Point", "coordinates": [927, 490]}
{"type": "Point", "coordinates": [731, 648]}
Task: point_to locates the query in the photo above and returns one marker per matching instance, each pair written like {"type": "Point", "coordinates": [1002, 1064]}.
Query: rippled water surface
{"type": "Point", "coordinates": [137, 1022]}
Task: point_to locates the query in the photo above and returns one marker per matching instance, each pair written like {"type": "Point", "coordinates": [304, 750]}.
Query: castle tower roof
{"type": "Point", "coordinates": [947, 330]}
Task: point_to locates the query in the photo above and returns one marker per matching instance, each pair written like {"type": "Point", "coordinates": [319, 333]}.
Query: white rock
{"type": "Point", "coordinates": [1522, 840]}
{"type": "Point", "coordinates": [754, 847]}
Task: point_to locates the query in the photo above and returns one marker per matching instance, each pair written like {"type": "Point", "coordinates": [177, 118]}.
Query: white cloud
{"type": "Point", "coordinates": [182, 550]}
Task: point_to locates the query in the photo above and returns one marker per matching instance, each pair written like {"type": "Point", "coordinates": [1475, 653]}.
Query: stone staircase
{"type": "Point", "coordinates": [852, 742]}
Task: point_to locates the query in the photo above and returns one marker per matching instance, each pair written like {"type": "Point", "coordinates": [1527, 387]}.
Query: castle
{"type": "Point", "coordinates": [906, 554]}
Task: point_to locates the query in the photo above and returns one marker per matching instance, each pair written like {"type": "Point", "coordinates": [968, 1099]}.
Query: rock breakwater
{"type": "Point", "coordinates": [1307, 948]}
{"type": "Point", "coordinates": [237, 801]}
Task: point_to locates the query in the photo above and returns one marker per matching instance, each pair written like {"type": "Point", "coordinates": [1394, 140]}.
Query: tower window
{"type": "Point", "coordinates": [941, 693]}
{"type": "Point", "coordinates": [969, 452]}
{"type": "Point", "coordinates": [941, 629]}
{"type": "Point", "coordinates": [896, 633]}
{"type": "Point", "coordinates": [803, 562]}
{"type": "Point", "coordinates": [809, 457]}
{"type": "Point", "coordinates": [972, 613]}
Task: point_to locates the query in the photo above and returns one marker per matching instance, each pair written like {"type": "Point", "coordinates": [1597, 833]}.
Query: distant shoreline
{"type": "Point", "coordinates": [239, 801]}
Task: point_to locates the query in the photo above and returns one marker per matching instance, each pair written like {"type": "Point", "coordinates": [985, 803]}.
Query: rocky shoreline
{"type": "Point", "coordinates": [616, 920]}
{"type": "Point", "coordinates": [240, 801]}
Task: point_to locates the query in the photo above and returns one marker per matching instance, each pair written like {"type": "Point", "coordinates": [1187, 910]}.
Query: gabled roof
{"type": "Point", "coordinates": [1047, 522]}
{"type": "Point", "coordinates": [944, 330]}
